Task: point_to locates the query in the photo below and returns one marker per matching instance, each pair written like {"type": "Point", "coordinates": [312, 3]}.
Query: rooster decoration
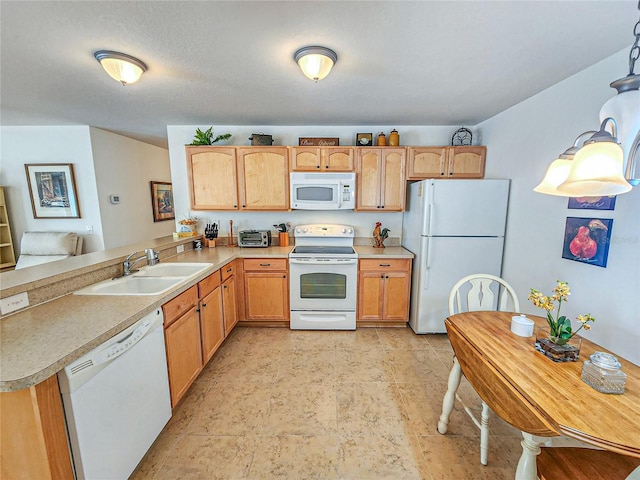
{"type": "Point", "coordinates": [379, 235]}
{"type": "Point", "coordinates": [583, 245]}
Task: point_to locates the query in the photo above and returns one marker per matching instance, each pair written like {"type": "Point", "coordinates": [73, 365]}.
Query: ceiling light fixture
{"type": "Point", "coordinates": [120, 66]}
{"type": "Point", "coordinates": [315, 62]}
{"type": "Point", "coordinates": [596, 169]}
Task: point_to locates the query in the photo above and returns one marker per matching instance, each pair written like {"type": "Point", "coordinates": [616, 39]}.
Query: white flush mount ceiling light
{"type": "Point", "coordinates": [315, 62]}
{"type": "Point", "coordinates": [597, 168]}
{"type": "Point", "coordinates": [120, 66]}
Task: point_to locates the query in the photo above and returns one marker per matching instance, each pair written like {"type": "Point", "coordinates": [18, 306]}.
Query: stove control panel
{"type": "Point", "coordinates": [324, 230]}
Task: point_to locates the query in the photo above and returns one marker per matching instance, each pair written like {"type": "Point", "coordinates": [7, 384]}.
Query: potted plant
{"type": "Point", "coordinates": [558, 342]}
{"type": "Point", "coordinates": [206, 137]}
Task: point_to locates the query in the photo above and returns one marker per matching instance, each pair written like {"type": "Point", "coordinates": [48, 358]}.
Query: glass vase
{"type": "Point", "coordinates": [568, 352]}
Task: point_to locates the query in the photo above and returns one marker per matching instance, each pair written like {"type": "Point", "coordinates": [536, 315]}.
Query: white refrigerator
{"type": "Point", "coordinates": [454, 228]}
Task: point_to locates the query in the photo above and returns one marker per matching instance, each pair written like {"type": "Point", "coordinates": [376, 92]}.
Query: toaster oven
{"type": "Point", "coordinates": [254, 238]}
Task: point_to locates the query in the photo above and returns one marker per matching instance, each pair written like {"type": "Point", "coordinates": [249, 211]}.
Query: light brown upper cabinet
{"type": "Point", "coordinates": [212, 178]}
{"type": "Point", "coordinates": [263, 178]}
{"type": "Point", "coordinates": [380, 179]}
{"type": "Point", "coordinates": [321, 159]}
{"type": "Point", "coordinates": [446, 162]}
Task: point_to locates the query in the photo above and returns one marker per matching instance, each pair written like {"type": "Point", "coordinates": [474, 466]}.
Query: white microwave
{"type": "Point", "coordinates": [323, 191]}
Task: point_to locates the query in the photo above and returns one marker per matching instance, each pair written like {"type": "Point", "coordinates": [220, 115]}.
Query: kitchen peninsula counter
{"type": "Point", "coordinates": [41, 340]}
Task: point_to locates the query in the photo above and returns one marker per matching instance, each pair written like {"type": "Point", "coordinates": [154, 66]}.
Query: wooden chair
{"type": "Point", "coordinates": [561, 463]}
{"type": "Point", "coordinates": [475, 292]}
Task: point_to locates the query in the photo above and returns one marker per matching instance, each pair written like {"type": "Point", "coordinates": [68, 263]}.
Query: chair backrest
{"type": "Point", "coordinates": [482, 291]}
{"type": "Point", "coordinates": [43, 247]}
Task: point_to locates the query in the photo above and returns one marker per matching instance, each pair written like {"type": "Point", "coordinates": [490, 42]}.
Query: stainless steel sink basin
{"type": "Point", "coordinates": [153, 280]}
{"type": "Point", "coordinates": [173, 270]}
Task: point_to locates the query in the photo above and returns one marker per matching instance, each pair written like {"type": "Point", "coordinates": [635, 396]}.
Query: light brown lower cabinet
{"type": "Point", "coordinates": [211, 315]}
{"type": "Point", "coordinates": [33, 435]}
{"type": "Point", "coordinates": [266, 289]}
{"type": "Point", "coordinates": [229, 304]}
{"type": "Point", "coordinates": [183, 342]}
{"type": "Point", "coordinates": [383, 290]}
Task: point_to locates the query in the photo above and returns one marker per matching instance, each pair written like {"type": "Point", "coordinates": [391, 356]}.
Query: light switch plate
{"type": "Point", "coordinates": [13, 303]}
{"type": "Point", "coordinates": [180, 249]}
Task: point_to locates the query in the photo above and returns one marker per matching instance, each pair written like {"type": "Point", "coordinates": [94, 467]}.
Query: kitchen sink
{"type": "Point", "coordinates": [151, 280]}
{"type": "Point", "coordinates": [173, 270]}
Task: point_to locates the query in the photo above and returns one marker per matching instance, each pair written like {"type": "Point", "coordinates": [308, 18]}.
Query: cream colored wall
{"type": "Point", "coordinates": [71, 144]}
{"type": "Point", "coordinates": [522, 142]}
{"type": "Point", "coordinates": [126, 167]}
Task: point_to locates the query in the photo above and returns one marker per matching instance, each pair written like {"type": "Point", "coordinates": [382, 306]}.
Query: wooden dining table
{"type": "Point", "coordinates": [540, 397]}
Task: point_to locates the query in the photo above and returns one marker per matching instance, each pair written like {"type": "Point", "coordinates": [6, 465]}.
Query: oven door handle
{"type": "Point", "coordinates": [329, 261]}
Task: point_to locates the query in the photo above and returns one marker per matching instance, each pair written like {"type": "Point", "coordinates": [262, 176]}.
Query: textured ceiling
{"type": "Point", "coordinates": [230, 63]}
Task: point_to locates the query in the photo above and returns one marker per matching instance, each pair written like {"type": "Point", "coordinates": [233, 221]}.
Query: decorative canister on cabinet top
{"type": "Point", "coordinates": [382, 140]}
{"type": "Point", "coordinates": [394, 138]}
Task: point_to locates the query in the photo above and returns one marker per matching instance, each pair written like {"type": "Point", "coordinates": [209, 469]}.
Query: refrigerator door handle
{"type": "Point", "coordinates": [427, 268]}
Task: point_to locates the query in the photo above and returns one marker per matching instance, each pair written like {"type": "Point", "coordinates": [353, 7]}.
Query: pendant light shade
{"type": "Point", "coordinates": [315, 62]}
{"type": "Point", "coordinates": [556, 174]}
{"type": "Point", "coordinates": [596, 170]}
{"type": "Point", "coordinates": [625, 108]}
{"type": "Point", "coordinates": [120, 66]}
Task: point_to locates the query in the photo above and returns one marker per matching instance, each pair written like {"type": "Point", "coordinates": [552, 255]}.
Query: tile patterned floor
{"type": "Point", "coordinates": [280, 404]}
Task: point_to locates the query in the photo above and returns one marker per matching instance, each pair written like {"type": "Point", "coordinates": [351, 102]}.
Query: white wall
{"type": "Point", "coordinates": [125, 167]}
{"type": "Point", "coordinates": [21, 145]}
{"type": "Point", "coordinates": [180, 135]}
{"type": "Point", "coordinates": [522, 142]}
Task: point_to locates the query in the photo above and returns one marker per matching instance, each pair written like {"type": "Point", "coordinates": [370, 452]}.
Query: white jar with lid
{"type": "Point", "coordinates": [602, 372]}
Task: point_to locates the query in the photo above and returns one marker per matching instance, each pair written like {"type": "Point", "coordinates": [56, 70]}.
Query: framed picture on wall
{"type": "Point", "coordinates": [587, 240]}
{"type": "Point", "coordinates": [52, 188]}
{"type": "Point", "coordinates": [162, 201]}
{"type": "Point", "coordinates": [593, 203]}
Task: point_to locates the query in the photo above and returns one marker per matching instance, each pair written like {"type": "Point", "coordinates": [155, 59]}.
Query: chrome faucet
{"type": "Point", "coordinates": [150, 255]}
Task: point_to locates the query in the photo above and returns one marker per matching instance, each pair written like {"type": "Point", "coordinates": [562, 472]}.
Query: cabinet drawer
{"type": "Point", "coordinates": [173, 309]}
{"type": "Point", "coordinates": [228, 270]}
{"type": "Point", "coordinates": [206, 286]}
{"type": "Point", "coordinates": [266, 264]}
{"type": "Point", "coordinates": [385, 264]}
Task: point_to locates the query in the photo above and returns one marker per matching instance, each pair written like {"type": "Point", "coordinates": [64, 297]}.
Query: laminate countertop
{"type": "Point", "coordinates": [39, 341]}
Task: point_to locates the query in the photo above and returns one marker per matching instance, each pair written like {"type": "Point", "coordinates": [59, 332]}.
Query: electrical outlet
{"type": "Point", "coordinates": [13, 303]}
{"type": "Point", "coordinates": [89, 229]}
{"type": "Point", "coordinates": [180, 249]}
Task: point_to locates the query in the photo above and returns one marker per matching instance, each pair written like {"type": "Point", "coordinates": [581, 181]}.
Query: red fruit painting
{"type": "Point", "coordinates": [587, 240]}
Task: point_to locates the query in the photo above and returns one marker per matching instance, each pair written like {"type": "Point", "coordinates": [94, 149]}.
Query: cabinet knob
{"type": "Point", "coordinates": [244, 206]}
{"type": "Point", "coordinates": [382, 206]}
{"type": "Point", "coordinates": [317, 166]}
{"type": "Point", "coordinates": [381, 276]}
{"type": "Point", "coordinates": [235, 206]}
{"type": "Point", "coordinates": [326, 166]}
{"type": "Point", "coordinates": [284, 276]}
{"type": "Point", "coordinates": [204, 305]}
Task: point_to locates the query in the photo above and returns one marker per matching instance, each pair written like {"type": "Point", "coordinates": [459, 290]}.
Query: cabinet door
{"type": "Point", "coordinates": [266, 295]}
{"type": "Point", "coordinates": [229, 305]}
{"type": "Point", "coordinates": [396, 296]}
{"type": "Point", "coordinates": [264, 178]}
{"type": "Point", "coordinates": [184, 353]}
{"type": "Point", "coordinates": [426, 162]}
{"type": "Point", "coordinates": [211, 323]}
{"type": "Point", "coordinates": [212, 178]}
{"type": "Point", "coordinates": [393, 185]}
{"type": "Point", "coordinates": [368, 174]}
{"type": "Point", "coordinates": [467, 162]}
{"type": "Point", "coordinates": [305, 158]}
{"type": "Point", "coordinates": [337, 159]}
{"type": "Point", "coordinates": [370, 295]}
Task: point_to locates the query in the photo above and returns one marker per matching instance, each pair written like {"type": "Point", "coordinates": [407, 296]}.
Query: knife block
{"type": "Point", "coordinates": [283, 239]}
{"type": "Point", "coordinates": [209, 243]}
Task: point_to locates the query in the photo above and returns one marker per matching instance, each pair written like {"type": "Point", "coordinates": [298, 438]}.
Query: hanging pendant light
{"type": "Point", "coordinates": [598, 168]}
{"type": "Point", "coordinates": [315, 62]}
{"type": "Point", "coordinates": [120, 66]}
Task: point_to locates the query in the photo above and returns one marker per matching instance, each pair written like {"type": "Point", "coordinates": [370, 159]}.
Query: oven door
{"type": "Point", "coordinates": [323, 284]}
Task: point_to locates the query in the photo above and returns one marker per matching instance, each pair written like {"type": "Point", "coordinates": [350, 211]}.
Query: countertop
{"type": "Point", "coordinates": [41, 340]}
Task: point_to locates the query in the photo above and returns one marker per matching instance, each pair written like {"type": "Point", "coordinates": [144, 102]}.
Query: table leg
{"type": "Point", "coordinates": [449, 398]}
{"type": "Point", "coordinates": [530, 450]}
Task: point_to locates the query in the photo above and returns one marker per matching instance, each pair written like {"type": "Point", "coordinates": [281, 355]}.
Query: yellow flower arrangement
{"type": "Point", "coordinates": [560, 327]}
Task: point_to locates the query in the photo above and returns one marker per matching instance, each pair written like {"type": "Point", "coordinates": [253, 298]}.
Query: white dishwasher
{"type": "Point", "coordinates": [116, 400]}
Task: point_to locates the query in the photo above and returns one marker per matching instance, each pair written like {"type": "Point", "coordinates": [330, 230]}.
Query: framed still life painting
{"type": "Point", "coordinates": [587, 240]}
{"type": "Point", "coordinates": [52, 188]}
{"type": "Point", "coordinates": [162, 201]}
